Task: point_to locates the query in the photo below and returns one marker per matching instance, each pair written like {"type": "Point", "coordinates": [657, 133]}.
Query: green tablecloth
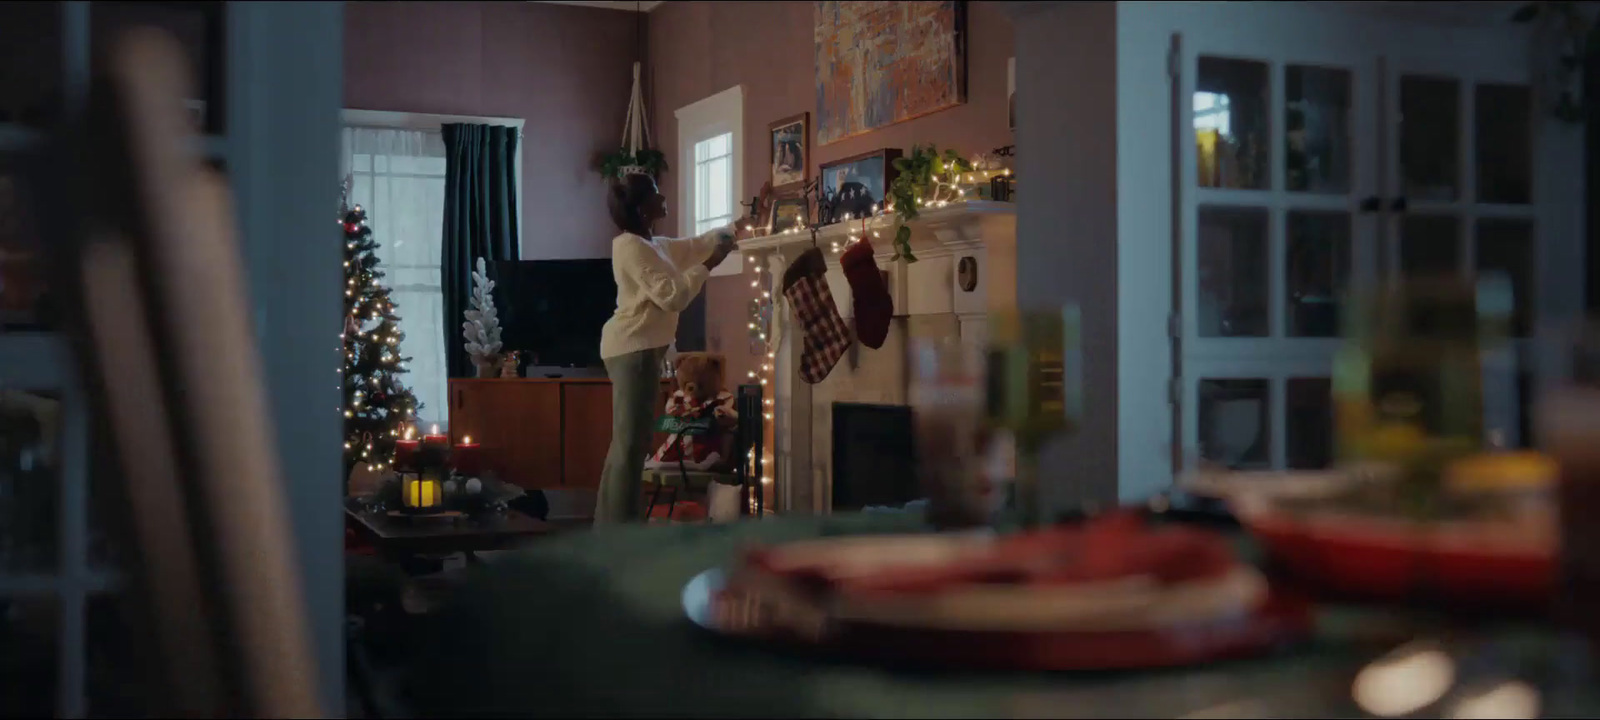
{"type": "Point", "coordinates": [592, 624]}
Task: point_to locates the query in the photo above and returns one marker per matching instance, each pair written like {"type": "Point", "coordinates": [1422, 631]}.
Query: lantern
{"type": "Point", "coordinates": [421, 491]}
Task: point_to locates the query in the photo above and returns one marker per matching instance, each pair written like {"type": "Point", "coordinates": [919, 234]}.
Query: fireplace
{"type": "Point", "coordinates": [966, 267]}
{"type": "Point", "coordinates": [873, 458]}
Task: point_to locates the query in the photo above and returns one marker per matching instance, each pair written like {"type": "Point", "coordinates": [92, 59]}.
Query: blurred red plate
{"type": "Point", "coordinates": [1391, 559]}
{"type": "Point", "coordinates": [1277, 622]}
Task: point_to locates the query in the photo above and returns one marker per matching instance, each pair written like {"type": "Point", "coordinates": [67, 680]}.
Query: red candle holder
{"type": "Point", "coordinates": [405, 452]}
{"type": "Point", "coordinates": [467, 457]}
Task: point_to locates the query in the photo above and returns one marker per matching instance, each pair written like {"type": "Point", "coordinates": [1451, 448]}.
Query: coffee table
{"type": "Point", "coordinates": [399, 537]}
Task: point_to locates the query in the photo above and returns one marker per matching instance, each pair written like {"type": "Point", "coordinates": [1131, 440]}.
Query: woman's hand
{"type": "Point", "coordinates": [725, 246]}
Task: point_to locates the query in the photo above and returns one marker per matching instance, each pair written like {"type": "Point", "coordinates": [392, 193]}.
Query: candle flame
{"type": "Point", "coordinates": [466, 439]}
{"type": "Point", "coordinates": [435, 430]}
{"type": "Point", "coordinates": [409, 430]}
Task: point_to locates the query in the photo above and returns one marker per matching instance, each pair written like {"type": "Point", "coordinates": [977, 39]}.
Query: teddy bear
{"type": "Point", "coordinates": [701, 400]}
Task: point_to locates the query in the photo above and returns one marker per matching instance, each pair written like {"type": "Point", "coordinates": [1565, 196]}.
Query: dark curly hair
{"type": "Point", "coordinates": [626, 200]}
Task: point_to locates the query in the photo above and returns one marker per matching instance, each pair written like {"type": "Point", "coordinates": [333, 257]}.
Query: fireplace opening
{"type": "Point", "coordinates": [874, 459]}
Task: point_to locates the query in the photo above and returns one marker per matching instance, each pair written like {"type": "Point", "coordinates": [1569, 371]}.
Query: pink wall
{"type": "Point", "coordinates": [697, 49]}
{"type": "Point", "coordinates": [565, 70]}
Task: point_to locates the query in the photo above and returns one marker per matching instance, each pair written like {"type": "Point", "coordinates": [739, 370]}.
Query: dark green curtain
{"type": "Point", "coordinates": [480, 220]}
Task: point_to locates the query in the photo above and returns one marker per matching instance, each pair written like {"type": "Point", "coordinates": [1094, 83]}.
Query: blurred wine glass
{"type": "Point", "coordinates": [947, 395]}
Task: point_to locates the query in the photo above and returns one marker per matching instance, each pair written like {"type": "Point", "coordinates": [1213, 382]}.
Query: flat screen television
{"type": "Point", "coordinates": [551, 311]}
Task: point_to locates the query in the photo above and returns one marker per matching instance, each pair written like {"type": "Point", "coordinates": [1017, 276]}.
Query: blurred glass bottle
{"type": "Point", "coordinates": [1408, 382]}
{"type": "Point", "coordinates": [1568, 429]}
{"type": "Point", "coordinates": [1034, 390]}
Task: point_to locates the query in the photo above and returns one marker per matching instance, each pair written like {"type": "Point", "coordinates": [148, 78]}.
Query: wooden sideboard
{"type": "Point", "coordinates": [538, 432]}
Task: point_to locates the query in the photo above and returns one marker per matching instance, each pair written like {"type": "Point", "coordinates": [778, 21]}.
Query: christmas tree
{"type": "Point", "coordinates": [377, 408]}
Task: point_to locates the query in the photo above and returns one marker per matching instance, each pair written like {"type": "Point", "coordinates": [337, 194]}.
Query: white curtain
{"type": "Point", "coordinates": [398, 177]}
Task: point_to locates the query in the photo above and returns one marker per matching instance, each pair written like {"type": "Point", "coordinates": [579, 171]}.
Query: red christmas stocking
{"type": "Point", "coordinates": [826, 336]}
{"type": "Point", "coordinates": [871, 301]}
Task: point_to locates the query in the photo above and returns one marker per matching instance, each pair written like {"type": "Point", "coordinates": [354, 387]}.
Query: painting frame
{"type": "Point", "coordinates": [788, 210]}
{"type": "Point", "coordinates": [852, 99]}
{"type": "Point", "coordinates": [783, 181]}
{"type": "Point", "coordinates": [873, 169]}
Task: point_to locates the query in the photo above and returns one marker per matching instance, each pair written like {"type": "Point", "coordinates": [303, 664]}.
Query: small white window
{"type": "Point", "coordinates": [713, 182]}
{"type": "Point", "coordinates": [710, 170]}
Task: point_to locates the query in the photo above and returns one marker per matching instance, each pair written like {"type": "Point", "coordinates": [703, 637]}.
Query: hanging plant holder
{"type": "Point", "coordinates": [636, 156]}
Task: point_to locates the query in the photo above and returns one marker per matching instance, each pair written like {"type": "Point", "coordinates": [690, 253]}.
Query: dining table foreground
{"type": "Point", "coordinates": [593, 624]}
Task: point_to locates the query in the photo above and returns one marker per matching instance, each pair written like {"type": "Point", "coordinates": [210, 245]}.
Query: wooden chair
{"type": "Point", "coordinates": [748, 443]}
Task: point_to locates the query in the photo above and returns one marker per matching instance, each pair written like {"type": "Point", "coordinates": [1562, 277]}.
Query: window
{"type": "Point", "coordinates": [713, 182]}
{"type": "Point", "coordinates": [396, 163]}
{"type": "Point", "coordinates": [1211, 112]}
{"type": "Point", "coordinates": [710, 137]}
{"type": "Point", "coordinates": [398, 176]}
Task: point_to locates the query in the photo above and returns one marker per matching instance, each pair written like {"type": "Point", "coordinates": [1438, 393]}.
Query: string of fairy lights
{"type": "Point", "coordinates": [954, 185]}
{"type": "Point", "coordinates": [389, 342]}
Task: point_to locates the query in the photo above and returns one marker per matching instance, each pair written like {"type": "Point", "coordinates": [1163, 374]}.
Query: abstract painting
{"type": "Point", "coordinates": [880, 63]}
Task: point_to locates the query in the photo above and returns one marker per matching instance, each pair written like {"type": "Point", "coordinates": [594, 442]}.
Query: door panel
{"type": "Point", "coordinates": [1273, 234]}
{"type": "Point", "coordinates": [529, 431]}
{"type": "Point", "coordinates": [518, 425]}
{"type": "Point", "coordinates": [1463, 200]}
{"type": "Point", "coordinates": [586, 423]}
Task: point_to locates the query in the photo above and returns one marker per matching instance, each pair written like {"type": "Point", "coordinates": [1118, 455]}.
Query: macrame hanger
{"type": "Point", "coordinates": [637, 124]}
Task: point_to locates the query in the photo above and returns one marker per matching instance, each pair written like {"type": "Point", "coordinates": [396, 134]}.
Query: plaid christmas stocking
{"type": "Point", "coordinates": [825, 334]}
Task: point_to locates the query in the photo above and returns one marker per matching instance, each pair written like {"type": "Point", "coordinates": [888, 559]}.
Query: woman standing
{"type": "Point", "coordinates": [656, 279]}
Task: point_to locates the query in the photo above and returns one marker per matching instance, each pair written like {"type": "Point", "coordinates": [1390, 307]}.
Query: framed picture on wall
{"type": "Point", "coordinates": [788, 212]}
{"type": "Point", "coordinates": [858, 184]}
{"type": "Point", "coordinates": [791, 151]}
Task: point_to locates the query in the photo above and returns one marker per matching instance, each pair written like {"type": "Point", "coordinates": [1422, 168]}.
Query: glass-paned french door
{"type": "Point", "coordinates": [1310, 167]}
{"type": "Point", "coordinates": [65, 645]}
{"type": "Point", "coordinates": [1275, 157]}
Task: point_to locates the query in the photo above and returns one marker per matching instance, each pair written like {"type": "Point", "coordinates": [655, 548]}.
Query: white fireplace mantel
{"type": "Point", "coordinates": [940, 237]}
{"type": "Point", "coordinates": [951, 226]}
{"type": "Point", "coordinates": [930, 299]}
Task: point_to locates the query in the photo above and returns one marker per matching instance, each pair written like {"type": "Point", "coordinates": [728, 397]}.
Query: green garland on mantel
{"type": "Point", "coordinates": [916, 182]}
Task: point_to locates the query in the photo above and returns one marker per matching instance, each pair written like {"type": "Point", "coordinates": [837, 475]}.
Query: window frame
{"type": "Point", "coordinates": [428, 122]}
{"type": "Point", "coordinates": [425, 122]}
{"type": "Point", "coordinates": [702, 120]}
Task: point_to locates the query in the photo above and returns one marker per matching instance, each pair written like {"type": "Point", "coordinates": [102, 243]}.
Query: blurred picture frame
{"type": "Point", "coordinates": [788, 212]}
{"type": "Point", "coordinates": [790, 150]}
{"type": "Point", "coordinates": [24, 296]}
{"type": "Point", "coordinates": [856, 186]}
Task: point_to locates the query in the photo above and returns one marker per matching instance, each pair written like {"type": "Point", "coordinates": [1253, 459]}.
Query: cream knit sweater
{"type": "Point", "coordinates": [656, 280]}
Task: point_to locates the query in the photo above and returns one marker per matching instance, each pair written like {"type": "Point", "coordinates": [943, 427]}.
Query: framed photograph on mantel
{"type": "Point", "coordinates": [858, 184]}
{"type": "Point", "coordinates": [788, 212]}
{"type": "Point", "coordinates": [791, 151]}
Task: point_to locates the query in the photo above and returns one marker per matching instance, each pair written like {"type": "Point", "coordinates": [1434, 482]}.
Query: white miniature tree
{"type": "Point", "coordinates": [482, 327]}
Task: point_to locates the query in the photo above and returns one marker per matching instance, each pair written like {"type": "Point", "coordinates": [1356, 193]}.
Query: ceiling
{"type": "Point", "coordinates": [608, 4]}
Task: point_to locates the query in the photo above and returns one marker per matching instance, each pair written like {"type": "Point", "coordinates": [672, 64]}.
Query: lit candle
{"type": "Point", "coordinates": [435, 438]}
{"type": "Point", "coordinates": [405, 450]}
{"type": "Point", "coordinates": [466, 457]}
